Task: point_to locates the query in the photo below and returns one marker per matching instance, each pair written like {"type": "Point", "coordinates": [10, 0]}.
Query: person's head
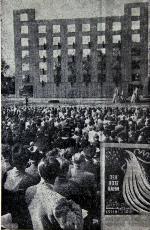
{"type": "Point", "coordinates": [6, 152]}
{"type": "Point", "coordinates": [147, 122]}
{"type": "Point", "coordinates": [78, 159]}
{"type": "Point", "coordinates": [49, 169]}
{"type": "Point", "coordinates": [35, 157]}
{"type": "Point", "coordinates": [64, 167]}
{"type": "Point", "coordinates": [52, 153]}
{"type": "Point", "coordinates": [89, 152]}
{"type": "Point", "coordinates": [141, 138]}
{"type": "Point", "coordinates": [96, 137]}
{"type": "Point", "coordinates": [20, 156]}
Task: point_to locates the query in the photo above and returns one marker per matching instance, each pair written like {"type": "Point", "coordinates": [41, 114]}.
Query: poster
{"type": "Point", "coordinates": [127, 180]}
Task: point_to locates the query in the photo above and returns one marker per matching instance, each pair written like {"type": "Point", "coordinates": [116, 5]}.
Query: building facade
{"type": "Point", "coordinates": [83, 57]}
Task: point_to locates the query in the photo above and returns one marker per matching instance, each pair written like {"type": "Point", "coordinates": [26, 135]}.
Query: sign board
{"type": "Point", "coordinates": [125, 179]}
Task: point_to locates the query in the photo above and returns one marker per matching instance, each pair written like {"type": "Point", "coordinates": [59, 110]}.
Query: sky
{"type": "Point", "coordinates": [52, 9]}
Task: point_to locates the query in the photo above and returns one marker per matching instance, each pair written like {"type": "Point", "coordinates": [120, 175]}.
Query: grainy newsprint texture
{"type": "Point", "coordinates": [75, 114]}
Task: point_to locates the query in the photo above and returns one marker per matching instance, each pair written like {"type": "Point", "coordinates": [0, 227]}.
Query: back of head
{"type": "Point", "coordinates": [78, 158]}
{"type": "Point", "coordinates": [52, 153]}
{"type": "Point", "coordinates": [89, 151]}
{"type": "Point", "coordinates": [6, 152]}
{"type": "Point", "coordinates": [20, 156]}
{"type": "Point", "coordinates": [49, 168]}
{"type": "Point", "coordinates": [64, 167]}
{"type": "Point", "coordinates": [36, 157]}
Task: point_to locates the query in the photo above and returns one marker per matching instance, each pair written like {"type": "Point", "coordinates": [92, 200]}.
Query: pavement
{"type": "Point", "coordinates": [71, 102]}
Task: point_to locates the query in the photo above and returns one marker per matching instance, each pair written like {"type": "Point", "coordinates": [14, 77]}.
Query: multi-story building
{"type": "Point", "coordinates": [83, 57]}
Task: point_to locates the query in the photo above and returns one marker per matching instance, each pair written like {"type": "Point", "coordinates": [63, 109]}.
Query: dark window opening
{"type": "Point", "coordinates": [45, 46]}
{"type": "Point", "coordinates": [136, 77]}
{"type": "Point", "coordinates": [136, 64]}
{"type": "Point", "coordinates": [44, 59]}
{"type": "Point", "coordinates": [135, 51]}
{"type": "Point", "coordinates": [43, 71]}
{"type": "Point", "coordinates": [26, 90]}
{"type": "Point", "coordinates": [59, 45]}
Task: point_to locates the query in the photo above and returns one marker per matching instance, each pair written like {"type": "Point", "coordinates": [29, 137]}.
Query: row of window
{"type": "Point", "coordinates": [72, 52]}
{"type": "Point", "coordinates": [44, 78]}
{"type": "Point", "coordinates": [85, 40]}
{"type": "Point", "coordinates": [135, 11]}
{"type": "Point", "coordinates": [56, 53]}
{"type": "Point", "coordinates": [135, 25]}
{"type": "Point", "coordinates": [85, 52]}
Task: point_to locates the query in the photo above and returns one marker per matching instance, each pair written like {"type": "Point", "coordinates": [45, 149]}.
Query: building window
{"type": "Point", "coordinates": [136, 38]}
{"type": "Point", "coordinates": [25, 66]}
{"type": "Point", "coordinates": [25, 53]}
{"type": "Point", "coordinates": [136, 77]}
{"type": "Point", "coordinates": [42, 53]}
{"type": "Point", "coordinates": [116, 26]}
{"type": "Point", "coordinates": [23, 17]}
{"type": "Point", "coordinates": [24, 29]}
{"type": "Point", "coordinates": [71, 28]}
{"type": "Point", "coordinates": [116, 38]}
{"type": "Point", "coordinates": [26, 78]}
{"type": "Point", "coordinates": [85, 40]}
{"type": "Point", "coordinates": [116, 52]}
{"type": "Point", "coordinates": [42, 41]}
{"type": "Point", "coordinates": [43, 65]}
{"type": "Point", "coordinates": [71, 40]}
{"type": "Point", "coordinates": [85, 27]}
{"type": "Point", "coordinates": [102, 51]}
{"type": "Point", "coordinates": [24, 42]}
{"type": "Point", "coordinates": [86, 52]}
{"type": "Point", "coordinates": [42, 29]}
{"type": "Point", "coordinates": [135, 51]}
{"type": "Point", "coordinates": [56, 53]}
{"type": "Point", "coordinates": [56, 28]}
{"type": "Point", "coordinates": [56, 40]}
{"type": "Point", "coordinates": [43, 78]}
{"type": "Point", "coordinates": [135, 64]}
{"type": "Point", "coordinates": [71, 51]}
{"type": "Point", "coordinates": [135, 25]}
{"type": "Point", "coordinates": [101, 26]}
{"type": "Point", "coordinates": [100, 39]}
{"type": "Point", "coordinates": [135, 11]}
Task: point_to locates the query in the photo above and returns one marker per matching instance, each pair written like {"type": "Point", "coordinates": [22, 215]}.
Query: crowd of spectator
{"type": "Point", "coordinates": [51, 162]}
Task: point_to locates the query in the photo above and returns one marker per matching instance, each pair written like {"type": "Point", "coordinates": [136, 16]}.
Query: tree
{"type": "Point", "coordinates": [4, 68]}
{"type": "Point", "coordinates": [4, 83]}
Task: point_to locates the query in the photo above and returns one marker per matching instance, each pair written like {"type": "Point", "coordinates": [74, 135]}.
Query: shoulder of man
{"type": "Point", "coordinates": [30, 193]}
